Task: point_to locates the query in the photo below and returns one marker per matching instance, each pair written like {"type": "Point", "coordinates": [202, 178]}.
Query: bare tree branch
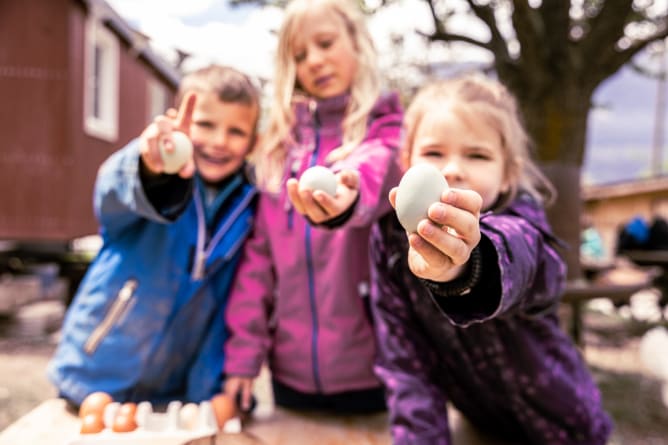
{"type": "Point", "coordinates": [497, 42]}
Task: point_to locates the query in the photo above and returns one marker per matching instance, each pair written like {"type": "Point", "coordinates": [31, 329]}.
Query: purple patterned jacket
{"type": "Point", "coordinates": [497, 354]}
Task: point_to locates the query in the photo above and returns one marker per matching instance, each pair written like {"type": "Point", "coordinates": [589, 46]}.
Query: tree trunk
{"type": "Point", "coordinates": [564, 214]}
{"type": "Point", "coordinates": [556, 120]}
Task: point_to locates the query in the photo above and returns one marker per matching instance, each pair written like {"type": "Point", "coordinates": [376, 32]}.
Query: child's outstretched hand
{"type": "Point", "coordinates": [443, 242]}
{"type": "Point", "coordinates": [159, 132]}
{"type": "Point", "coordinates": [317, 205]}
{"type": "Point", "coordinates": [240, 387]}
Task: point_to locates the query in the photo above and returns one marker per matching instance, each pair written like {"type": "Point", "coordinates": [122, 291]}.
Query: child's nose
{"type": "Point", "coordinates": [314, 57]}
{"type": "Point", "coordinates": [220, 138]}
{"type": "Point", "coordinates": [452, 170]}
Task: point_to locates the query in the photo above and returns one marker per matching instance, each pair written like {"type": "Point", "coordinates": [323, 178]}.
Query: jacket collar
{"type": "Point", "coordinates": [323, 111]}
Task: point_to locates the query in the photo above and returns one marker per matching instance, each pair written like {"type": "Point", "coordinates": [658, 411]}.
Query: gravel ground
{"type": "Point", "coordinates": [631, 394]}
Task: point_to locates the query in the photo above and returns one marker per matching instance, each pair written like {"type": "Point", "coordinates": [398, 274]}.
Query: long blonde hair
{"type": "Point", "coordinates": [272, 154]}
{"type": "Point", "coordinates": [479, 97]}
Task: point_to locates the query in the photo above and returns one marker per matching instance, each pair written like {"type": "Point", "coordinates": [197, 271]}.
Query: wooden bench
{"type": "Point", "coordinates": [53, 424]}
{"type": "Point", "coordinates": [578, 292]}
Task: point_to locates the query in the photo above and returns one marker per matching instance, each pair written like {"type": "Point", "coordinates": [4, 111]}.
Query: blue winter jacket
{"type": "Point", "coordinates": [147, 321]}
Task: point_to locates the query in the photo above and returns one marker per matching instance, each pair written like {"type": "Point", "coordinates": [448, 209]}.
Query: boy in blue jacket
{"type": "Point", "coordinates": [147, 321]}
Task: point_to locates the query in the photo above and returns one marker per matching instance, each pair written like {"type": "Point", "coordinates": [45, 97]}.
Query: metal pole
{"type": "Point", "coordinates": [660, 114]}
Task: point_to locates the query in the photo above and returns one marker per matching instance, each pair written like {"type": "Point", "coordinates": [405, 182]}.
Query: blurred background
{"type": "Point", "coordinates": [86, 76]}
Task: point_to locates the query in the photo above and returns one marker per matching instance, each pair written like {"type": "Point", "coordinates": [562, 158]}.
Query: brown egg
{"type": "Point", "coordinates": [124, 423]}
{"type": "Point", "coordinates": [224, 407]}
{"type": "Point", "coordinates": [91, 424]}
{"type": "Point", "coordinates": [128, 408]}
{"type": "Point", "coordinates": [94, 403]}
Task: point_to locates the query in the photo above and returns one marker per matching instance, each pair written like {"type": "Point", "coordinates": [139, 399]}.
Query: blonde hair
{"type": "Point", "coordinates": [479, 97]}
{"type": "Point", "coordinates": [272, 154]}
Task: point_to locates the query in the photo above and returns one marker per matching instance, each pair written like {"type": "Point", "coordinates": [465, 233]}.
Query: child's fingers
{"type": "Point", "coordinates": [185, 113]}
{"type": "Point", "coordinates": [292, 187]}
{"type": "Point", "coordinates": [393, 197]}
{"type": "Point", "coordinates": [188, 170]}
{"type": "Point", "coordinates": [312, 207]}
{"type": "Point", "coordinates": [468, 200]}
{"type": "Point", "coordinates": [441, 242]}
{"type": "Point", "coordinates": [349, 178]}
{"type": "Point", "coordinates": [246, 395]}
{"type": "Point", "coordinates": [432, 255]}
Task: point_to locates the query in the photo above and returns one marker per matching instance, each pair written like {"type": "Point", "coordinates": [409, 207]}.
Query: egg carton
{"type": "Point", "coordinates": [177, 425]}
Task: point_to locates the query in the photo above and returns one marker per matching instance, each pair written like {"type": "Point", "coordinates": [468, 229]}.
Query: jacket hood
{"type": "Point", "coordinates": [329, 111]}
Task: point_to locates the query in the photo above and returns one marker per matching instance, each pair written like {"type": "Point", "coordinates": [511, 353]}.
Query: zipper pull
{"type": "Point", "coordinates": [198, 268]}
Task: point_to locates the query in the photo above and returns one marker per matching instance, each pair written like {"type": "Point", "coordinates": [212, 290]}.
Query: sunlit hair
{"type": "Point", "coordinates": [475, 96]}
{"type": "Point", "coordinates": [271, 156]}
{"type": "Point", "coordinates": [227, 83]}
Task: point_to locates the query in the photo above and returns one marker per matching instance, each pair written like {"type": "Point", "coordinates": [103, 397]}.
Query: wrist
{"type": "Point", "coordinates": [464, 282]}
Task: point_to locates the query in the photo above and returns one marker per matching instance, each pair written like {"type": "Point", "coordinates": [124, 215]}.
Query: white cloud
{"type": "Point", "coordinates": [135, 9]}
{"type": "Point", "coordinates": [247, 42]}
{"type": "Point", "coordinates": [247, 45]}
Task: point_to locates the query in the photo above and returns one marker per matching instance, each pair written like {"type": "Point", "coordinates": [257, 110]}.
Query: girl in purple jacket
{"type": "Point", "coordinates": [300, 301]}
{"type": "Point", "coordinates": [469, 316]}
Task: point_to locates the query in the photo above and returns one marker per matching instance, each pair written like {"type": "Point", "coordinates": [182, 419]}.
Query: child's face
{"type": "Point", "coordinates": [324, 55]}
{"type": "Point", "coordinates": [222, 135]}
{"type": "Point", "coordinates": [468, 152]}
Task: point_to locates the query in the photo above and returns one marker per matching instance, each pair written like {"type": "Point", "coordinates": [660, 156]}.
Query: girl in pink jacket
{"type": "Point", "coordinates": [299, 303]}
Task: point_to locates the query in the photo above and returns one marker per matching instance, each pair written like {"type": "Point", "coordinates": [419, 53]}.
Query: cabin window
{"type": "Point", "coordinates": [158, 99]}
{"type": "Point", "coordinates": [101, 82]}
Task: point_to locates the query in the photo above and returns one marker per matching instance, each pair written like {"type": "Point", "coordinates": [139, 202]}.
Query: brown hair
{"type": "Point", "coordinates": [229, 84]}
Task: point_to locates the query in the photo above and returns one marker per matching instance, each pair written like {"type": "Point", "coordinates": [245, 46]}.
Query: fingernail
{"type": "Point", "coordinates": [427, 229]}
{"type": "Point", "coordinates": [438, 211]}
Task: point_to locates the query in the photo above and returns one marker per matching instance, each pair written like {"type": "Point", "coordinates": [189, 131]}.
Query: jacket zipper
{"type": "Point", "coordinates": [113, 315]}
{"type": "Point", "coordinates": [309, 262]}
{"type": "Point", "coordinates": [203, 250]}
{"type": "Point", "coordinates": [294, 168]}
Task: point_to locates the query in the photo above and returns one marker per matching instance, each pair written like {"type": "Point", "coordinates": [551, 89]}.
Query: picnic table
{"type": "Point", "coordinates": [52, 423]}
{"type": "Point", "coordinates": [615, 282]}
{"type": "Point", "coordinates": [653, 258]}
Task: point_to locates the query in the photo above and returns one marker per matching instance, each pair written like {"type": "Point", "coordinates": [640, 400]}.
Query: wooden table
{"type": "Point", "coordinates": [578, 292]}
{"type": "Point", "coordinates": [51, 423]}
{"type": "Point", "coordinates": [653, 258]}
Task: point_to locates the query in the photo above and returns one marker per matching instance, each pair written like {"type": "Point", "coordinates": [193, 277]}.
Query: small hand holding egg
{"type": "Point", "coordinates": [176, 156]}
{"type": "Point", "coordinates": [420, 187]}
{"type": "Point", "coordinates": [442, 223]}
{"type": "Point", "coordinates": [321, 195]}
{"type": "Point", "coordinates": [318, 178]}
{"type": "Point", "coordinates": [165, 146]}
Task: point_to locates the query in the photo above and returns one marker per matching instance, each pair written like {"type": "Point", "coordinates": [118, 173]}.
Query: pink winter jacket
{"type": "Point", "coordinates": [300, 296]}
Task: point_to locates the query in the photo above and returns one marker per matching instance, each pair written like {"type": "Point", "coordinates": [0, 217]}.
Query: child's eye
{"type": "Point", "coordinates": [204, 124]}
{"type": "Point", "coordinates": [432, 154]}
{"type": "Point", "coordinates": [237, 132]}
{"type": "Point", "coordinates": [324, 44]}
{"type": "Point", "coordinates": [300, 56]}
{"type": "Point", "coordinates": [479, 156]}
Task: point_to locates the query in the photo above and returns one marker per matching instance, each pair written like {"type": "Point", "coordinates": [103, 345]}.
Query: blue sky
{"type": "Point", "coordinates": [621, 130]}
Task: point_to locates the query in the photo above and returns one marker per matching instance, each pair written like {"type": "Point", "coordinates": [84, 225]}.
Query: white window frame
{"type": "Point", "coordinates": [158, 99]}
{"type": "Point", "coordinates": [101, 80]}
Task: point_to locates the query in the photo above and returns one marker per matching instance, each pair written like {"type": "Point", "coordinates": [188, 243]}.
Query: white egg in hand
{"type": "Point", "coordinates": [420, 187]}
{"type": "Point", "coordinates": [174, 160]}
{"type": "Point", "coordinates": [318, 178]}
